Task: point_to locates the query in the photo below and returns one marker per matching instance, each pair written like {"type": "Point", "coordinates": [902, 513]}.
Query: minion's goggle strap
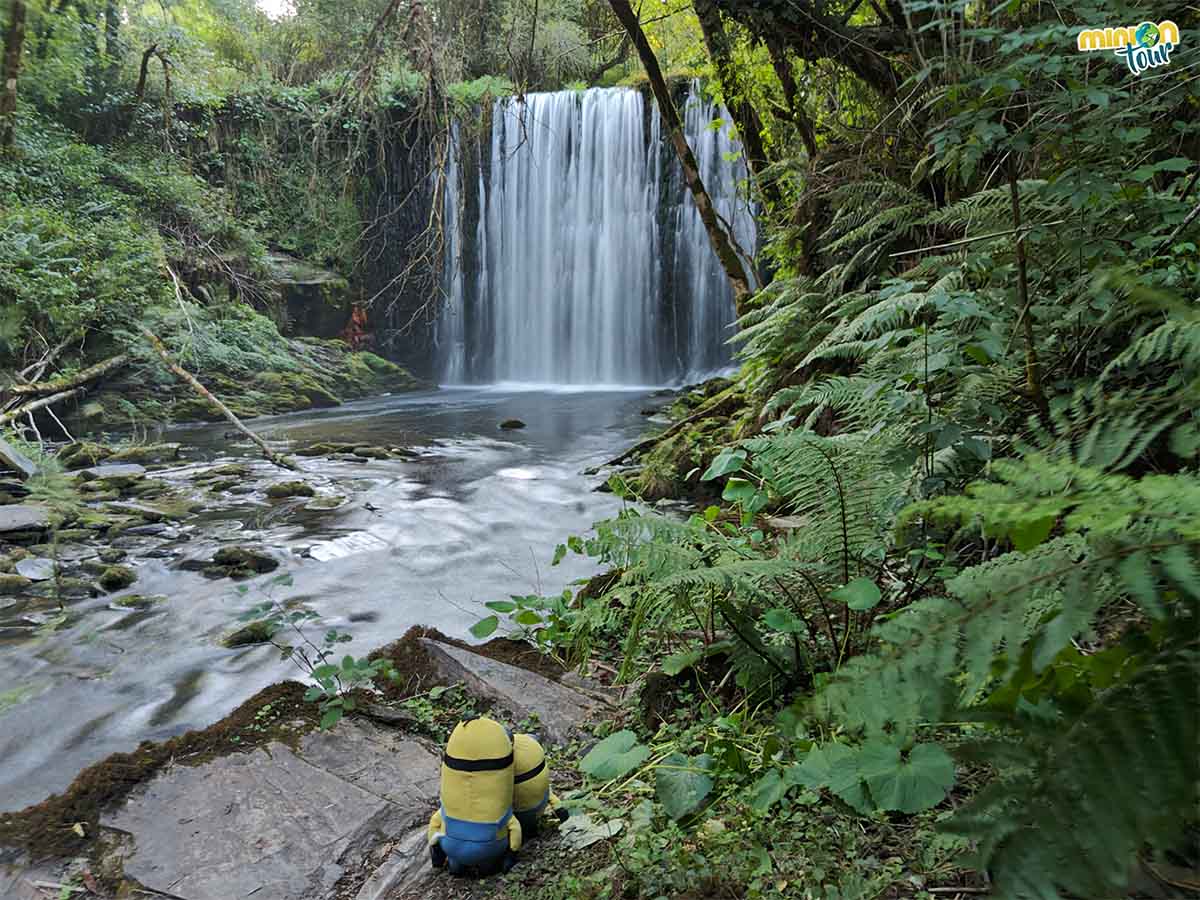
{"type": "Point", "coordinates": [476, 765]}
{"type": "Point", "coordinates": [532, 773]}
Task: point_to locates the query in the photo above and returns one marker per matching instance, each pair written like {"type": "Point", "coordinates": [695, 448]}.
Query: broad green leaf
{"type": "Point", "coordinates": [910, 784]}
{"type": "Point", "coordinates": [784, 620]}
{"type": "Point", "coordinates": [738, 489]}
{"type": "Point", "coordinates": [835, 768]}
{"type": "Point", "coordinates": [616, 755]}
{"type": "Point", "coordinates": [727, 461]}
{"type": "Point", "coordinates": [681, 783]}
{"type": "Point", "coordinates": [485, 627]}
{"type": "Point", "coordinates": [1029, 534]}
{"type": "Point", "coordinates": [501, 606]}
{"type": "Point", "coordinates": [529, 617]}
{"type": "Point", "coordinates": [331, 717]}
{"type": "Point", "coordinates": [683, 659]}
{"type": "Point", "coordinates": [767, 791]}
{"type": "Point", "coordinates": [860, 594]}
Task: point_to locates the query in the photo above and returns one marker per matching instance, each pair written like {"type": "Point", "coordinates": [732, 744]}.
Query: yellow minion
{"type": "Point", "coordinates": [475, 829]}
{"type": "Point", "coordinates": [531, 785]}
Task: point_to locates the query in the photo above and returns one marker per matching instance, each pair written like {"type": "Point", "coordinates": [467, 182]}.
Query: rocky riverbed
{"type": "Point", "coordinates": [124, 578]}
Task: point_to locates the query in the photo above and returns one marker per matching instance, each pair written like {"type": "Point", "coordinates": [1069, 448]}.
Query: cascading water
{"type": "Point", "coordinates": [588, 263]}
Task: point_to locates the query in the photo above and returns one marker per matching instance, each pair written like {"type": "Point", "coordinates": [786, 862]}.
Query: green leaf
{"type": "Point", "coordinates": [501, 606]}
{"type": "Point", "coordinates": [767, 791]}
{"type": "Point", "coordinates": [616, 755]}
{"type": "Point", "coordinates": [485, 627]}
{"type": "Point", "coordinates": [784, 620]}
{"type": "Point", "coordinates": [860, 594]}
{"type": "Point", "coordinates": [833, 767]}
{"type": "Point", "coordinates": [529, 617]}
{"type": "Point", "coordinates": [1028, 534]}
{"type": "Point", "coordinates": [738, 489]}
{"type": "Point", "coordinates": [683, 659]}
{"type": "Point", "coordinates": [681, 784]}
{"type": "Point", "coordinates": [727, 461]}
{"type": "Point", "coordinates": [906, 785]}
{"type": "Point", "coordinates": [331, 717]}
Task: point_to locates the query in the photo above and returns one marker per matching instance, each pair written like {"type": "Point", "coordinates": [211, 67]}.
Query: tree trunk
{"type": "Point", "coordinates": [190, 379]}
{"type": "Point", "coordinates": [745, 116]}
{"type": "Point", "coordinates": [58, 384]}
{"type": "Point", "coordinates": [14, 44]}
{"type": "Point", "coordinates": [722, 242]}
{"type": "Point", "coordinates": [139, 92]}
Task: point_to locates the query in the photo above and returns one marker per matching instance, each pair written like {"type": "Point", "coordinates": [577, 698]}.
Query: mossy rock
{"type": "Point", "coordinates": [115, 578]}
{"type": "Point", "coordinates": [64, 588]}
{"type": "Point", "coordinates": [327, 502]}
{"type": "Point", "coordinates": [11, 584]}
{"type": "Point", "coordinates": [294, 390]}
{"type": "Point", "coordinates": [372, 452]}
{"type": "Point", "coordinates": [326, 448]}
{"type": "Point", "coordinates": [139, 601]}
{"type": "Point", "coordinates": [147, 453]}
{"type": "Point", "coordinates": [283, 489]}
{"type": "Point", "coordinates": [512, 424]}
{"type": "Point", "coordinates": [259, 631]}
{"type": "Point", "coordinates": [74, 534]}
{"type": "Point", "coordinates": [83, 454]}
{"type": "Point", "coordinates": [229, 470]}
{"type": "Point", "coordinates": [112, 555]}
{"type": "Point", "coordinates": [240, 562]}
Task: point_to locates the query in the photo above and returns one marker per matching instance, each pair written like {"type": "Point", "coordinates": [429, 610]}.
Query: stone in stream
{"type": "Point", "coordinates": [14, 459]}
{"type": "Point", "coordinates": [283, 489]}
{"type": "Point", "coordinates": [23, 517]}
{"type": "Point", "coordinates": [36, 569]}
{"type": "Point", "coordinates": [11, 583]}
{"type": "Point", "coordinates": [147, 453]}
{"type": "Point", "coordinates": [236, 562]}
{"type": "Point", "coordinates": [511, 424]}
{"type": "Point", "coordinates": [82, 454]}
{"type": "Point", "coordinates": [116, 578]}
{"type": "Point", "coordinates": [130, 471]}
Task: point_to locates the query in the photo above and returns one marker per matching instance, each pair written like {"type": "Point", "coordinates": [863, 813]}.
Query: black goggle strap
{"type": "Point", "coordinates": [476, 765]}
{"type": "Point", "coordinates": [532, 773]}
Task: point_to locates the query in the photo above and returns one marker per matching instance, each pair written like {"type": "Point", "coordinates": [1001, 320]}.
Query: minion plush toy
{"type": "Point", "coordinates": [475, 829]}
{"type": "Point", "coordinates": [531, 785]}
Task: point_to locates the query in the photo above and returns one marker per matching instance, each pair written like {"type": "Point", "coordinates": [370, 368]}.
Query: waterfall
{"type": "Point", "coordinates": [588, 263]}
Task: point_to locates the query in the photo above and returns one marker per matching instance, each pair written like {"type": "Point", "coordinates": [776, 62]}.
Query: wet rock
{"type": "Point", "coordinates": [283, 489]}
{"type": "Point", "coordinates": [257, 632]}
{"type": "Point", "coordinates": [127, 472]}
{"type": "Point", "coordinates": [23, 517]}
{"type": "Point", "coordinates": [153, 530]}
{"type": "Point", "coordinates": [83, 454]}
{"type": "Point", "coordinates": [512, 424]}
{"type": "Point", "coordinates": [13, 584]}
{"type": "Point", "coordinates": [112, 555]}
{"type": "Point", "coordinates": [116, 578]}
{"type": "Point", "coordinates": [35, 568]}
{"type": "Point", "coordinates": [156, 512]}
{"type": "Point", "coordinates": [138, 601]}
{"type": "Point", "coordinates": [64, 588]}
{"type": "Point", "coordinates": [242, 489]}
{"type": "Point", "coordinates": [147, 453]}
{"type": "Point", "coordinates": [373, 452]}
{"type": "Point", "coordinates": [328, 502]}
{"type": "Point", "coordinates": [239, 562]}
{"type": "Point", "coordinates": [222, 484]}
{"type": "Point", "coordinates": [14, 459]}
{"type": "Point", "coordinates": [326, 448]}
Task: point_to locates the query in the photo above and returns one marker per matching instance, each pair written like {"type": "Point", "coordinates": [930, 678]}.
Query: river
{"type": "Point", "coordinates": [473, 516]}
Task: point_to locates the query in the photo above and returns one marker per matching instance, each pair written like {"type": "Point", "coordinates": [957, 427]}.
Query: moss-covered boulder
{"type": "Point", "coordinates": [116, 578]}
{"type": "Point", "coordinates": [240, 562]}
{"type": "Point", "coordinates": [147, 453]}
{"type": "Point", "coordinates": [112, 555]}
{"type": "Point", "coordinates": [283, 489]}
{"type": "Point", "coordinates": [83, 454]}
{"type": "Point", "coordinates": [258, 632]}
{"type": "Point", "coordinates": [512, 424]}
{"type": "Point", "coordinates": [139, 601]}
{"type": "Point", "coordinates": [293, 390]}
{"type": "Point", "coordinates": [372, 452]}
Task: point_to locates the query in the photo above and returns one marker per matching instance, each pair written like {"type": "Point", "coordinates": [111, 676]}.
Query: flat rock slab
{"type": "Point", "coordinates": [276, 823]}
{"type": "Point", "coordinates": [24, 517]}
{"type": "Point", "coordinates": [559, 709]}
{"type": "Point", "coordinates": [36, 569]}
{"type": "Point", "coordinates": [14, 459]}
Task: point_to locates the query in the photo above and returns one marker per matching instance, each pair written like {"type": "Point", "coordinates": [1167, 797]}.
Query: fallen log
{"type": "Point", "coordinates": [40, 403]}
{"type": "Point", "coordinates": [721, 405]}
{"type": "Point", "coordinates": [186, 376]}
{"type": "Point", "coordinates": [58, 385]}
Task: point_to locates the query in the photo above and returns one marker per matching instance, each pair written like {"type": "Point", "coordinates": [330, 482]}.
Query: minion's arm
{"type": "Point", "coordinates": [437, 828]}
{"type": "Point", "coordinates": [514, 834]}
{"type": "Point", "coordinates": [555, 806]}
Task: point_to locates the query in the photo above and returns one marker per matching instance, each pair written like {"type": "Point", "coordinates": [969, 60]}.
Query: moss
{"type": "Point", "coordinates": [139, 601]}
{"type": "Point", "coordinates": [112, 555]}
{"type": "Point", "coordinates": [239, 562]}
{"type": "Point", "coordinates": [259, 631]}
{"type": "Point", "coordinates": [44, 830]}
{"type": "Point", "coordinates": [115, 578]}
{"type": "Point", "coordinates": [83, 454]}
{"type": "Point", "coordinates": [13, 584]}
{"type": "Point", "coordinates": [147, 453]}
{"type": "Point", "coordinates": [372, 452]}
{"type": "Point", "coordinates": [284, 489]}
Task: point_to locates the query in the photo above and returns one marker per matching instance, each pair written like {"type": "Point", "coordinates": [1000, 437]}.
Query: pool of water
{"type": "Point", "coordinates": [474, 516]}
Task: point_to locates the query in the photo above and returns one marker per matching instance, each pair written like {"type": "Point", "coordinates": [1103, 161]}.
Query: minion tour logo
{"type": "Point", "coordinates": [1142, 46]}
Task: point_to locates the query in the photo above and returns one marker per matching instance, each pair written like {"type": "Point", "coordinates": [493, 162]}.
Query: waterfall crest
{"type": "Point", "coordinates": [588, 263]}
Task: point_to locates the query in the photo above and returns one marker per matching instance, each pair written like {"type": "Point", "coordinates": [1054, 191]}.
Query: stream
{"type": "Point", "coordinates": [474, 515]}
